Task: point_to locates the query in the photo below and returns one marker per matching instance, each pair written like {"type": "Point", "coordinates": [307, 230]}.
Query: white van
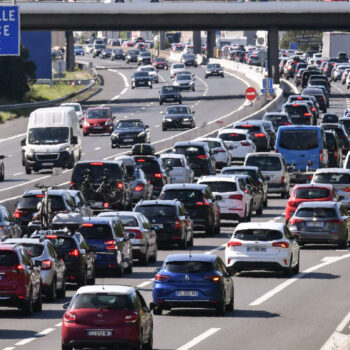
{"type": "Point", "coordinates": [53, 139]}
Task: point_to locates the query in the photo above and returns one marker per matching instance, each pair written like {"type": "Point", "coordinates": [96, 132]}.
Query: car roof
{"type": "Point", "coordinates": [106, 288]}
{"type": "Point", "coordinates": [330, 187]}
{"type": "Point", "coordinates": [97, 220]}
{"type": "Point", "coordinates": [190, 143]}
{"type": "Point", "coordinates": [4, 246]}
{"type": "Point", "coordinates": [24, 240]}
{"type": "Point", "coordinates": [191, 257]}
{"type": "Point", "coordinates": [177, 106]}
{"type": "Point", "coordinates": [241, 167]}
{"type": "Point", "coordinates": [332, 170]}
{"type": "Point", "coordinates": [97, 161]}
{"type": "Point", "coordinates": [319, 204]}
{"type": "Point", "coordinates": [261, 225]}
{"type": "Point", "coordinates": [264, 154]}
{"type": "Point", "coordinates": [158, 202]}
{"type": "Point", "coordinates": [236, 131]}
{"type": "Point", "coordinates": [186, 186]}
{"type": "Point", "coordinates": [275, 113]}
{"type": "Point", "coordinates": [216, 178]}
{"type": "Point", "coordinates": [299, 127]}
{"type": "Point", "coordinates": [205, 139]}
{"type": "Point", "coordinates": [111, 214]}
{"type": "Point", "coordinates": [173, 155]}
{"type": "Point", "coordinates": [50, 192]}
{"type": "Point", "coordinates": [247, 122]}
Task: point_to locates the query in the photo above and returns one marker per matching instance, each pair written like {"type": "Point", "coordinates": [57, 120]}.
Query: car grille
{"type": "Point", "coordinates": [47, 156]}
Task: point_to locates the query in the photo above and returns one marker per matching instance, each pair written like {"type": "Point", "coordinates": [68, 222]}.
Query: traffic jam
{"type": "Point", "coordinates": [115, 216]}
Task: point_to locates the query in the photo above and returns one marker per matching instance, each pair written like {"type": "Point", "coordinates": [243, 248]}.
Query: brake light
{"type": "Point", "coordinates": [259, 135]}
{"type": "Point", "coordinates": [139, 187]}
{"type": "Point", "coordinates": [307, 114]}
{"type": "Point", "coordinates": [234, 135]}
{"type": "Point", "coordinates": [313, 109]}
{"type": "Point", "coordinates": [247, 126]}
{"type": "Point", "coordinates": [46, 264]}
{"type": "Point", "coordinates": [334, 221]}
{"type": "Point", "coordinates": [96, 163]}
{"type": "Point", "coordinates": [19, 267]}
{"type": "Point", "coordinates": [161, 278]}
{"type": "Point", "coordinates": [71, 183]}
{"type": "Point", "coordinates": [131, 318]}
{"type": "Point", "coordinates": [51, 236]}
{"type": "Point", "coordinates": [298, 98]}
{"type": "Point", "coordinates": [110, 242]}
{"type": "Point", "coordinates": [202, 156]}
{"type": "Point", "coordinates": [280, 244]}
{"type": "Point", "coordinates": [111, 247]}
{"type": "Point", "coordinates": [141, 160]}
{"type": "Point", "coordinates": [74, 252]}
{"type": "Point", "coordinates": [283, 179]}
{"type": "Point", "coordinates": [158, 175]}
{"type": "Point", "coordinates": [347, 189]}
{"type": "Point", "coordinates": [178, 224]}
{"type": "Point", "coordinates": [233, 244]}
{"type": "Point", "coordinates": [120, 185]}
{"type": "Point", "coordinates": [19, 213]}
{"type": "Point", "coordinates": [238, 197]}
{"type": "Point", "coordinates": [138, 233]}
{"type": "Point", "coordinates": [203, 203]}
{"type": "Point", "coordinates": [245, 143]}
{"type": "Point", "coordinates": [87, 225]}
{"type": "Point", "coordinates": [105, 205]}
{"type": "Point", "coordinates": [321, 155]}
{"type": "Point", "coordinates": [213, 278]}
{"type": "Point", "coordinates": [295, 105]}
{"type": "Point", "coordinates": [70, 316]}
{"type": "Point", "coordinates": [335, 154]}
{"type": "Point", "coordinates": [293, 221]}
{"type": "Point", "coordinates": [39, 196]}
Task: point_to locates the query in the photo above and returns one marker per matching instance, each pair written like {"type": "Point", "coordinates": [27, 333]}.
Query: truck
{"type": "Point", "coordinates": [334, 43]}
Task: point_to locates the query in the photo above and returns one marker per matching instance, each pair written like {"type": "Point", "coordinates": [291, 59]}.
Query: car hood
{"type": "Point", "coordinates": [177, 116]}
{"type": "Point", "coordinates": [98, 121]}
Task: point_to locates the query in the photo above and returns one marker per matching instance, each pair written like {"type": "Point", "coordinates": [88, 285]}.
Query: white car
{"type": "Point", "coordinates": [175, 68]}
{"type": "Point", "coordinates": [221, 152]}
{"type": "Point", "coordinates": [88, 48]}
{"type": "Point", "coordinates": [235, 202]}
{"type": "Point", "coordinates": [152, 72]}
{"type": "Point", "coordinates": [184, 82]}
{"type": "Point", "coordinates": [239, 143]}
{"type": "Point", "coordinates": [339, 178]}
{"type": "Point", "coordinates": [78, 111]}
{"type": "Point", "coordinates": [179, 169]}
{"type": "Point", "coordinates": [262, 246]}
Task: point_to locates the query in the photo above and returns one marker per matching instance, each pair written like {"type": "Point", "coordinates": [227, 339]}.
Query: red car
{"type": "Point", "coordinates": [104, 316]}
{"type": "Point", "coordinates": [98, 121]}
{"type": "Point", "coordinates": [20, 279]}
{"type": "Point", "coordinates": [160, 63]}
{"type": "Point", "coordinates": [308, 193]}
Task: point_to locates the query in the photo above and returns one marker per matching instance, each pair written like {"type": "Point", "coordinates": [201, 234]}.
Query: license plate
{"type": "Point", "coordinates": [98, 127]}
{"type": "Point", "coordinates": [314, 224]}
{"type": "Point", "coordinates": [47, 164]}
{"type": "Point", "coordinates": [159, 225]}
{"type": "Point", "coordinates": [128, 140]}
{"type": "Point", "coordinates": [99, 333]}
{"type": "Point", "coordinates": [256, 249]}
{"type": "Point", "coordinates": [187, 293]}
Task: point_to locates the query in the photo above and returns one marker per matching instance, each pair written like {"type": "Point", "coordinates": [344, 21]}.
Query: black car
{"type": "Point", "coordinates": [178, 117]}
{"type": "Point", "coordinates": [106, 53]}
{"type": "Point", "coordinates": [214, 69]}
{"type": "Point", "coordinates": [129, 132]}
{"type": "Point", "coordinates": [103, 183]}
{"type": "Point", "coordinates": [189, 59]}
{"type": "Point", "coordinates": [141, 78]}
{"type": "Point", "coordinates": [320, 96]}
{"type": "Point", "coordinates": [144, 57]}
{"type": "Point", "coordinates": [299, 113]}
{"type": "Point", "coordinates": [343, 139]}
{"type": "Point", "coordinates": [257, 132]}
{"type": "Point", "coordinates": [299, 66]}
{"type": "Point", "coordinates": [117, 54]}
{"type": "Point", "coordinates": [335, 154]}
{"type": "Point", "coordinates": [170, 94]}
{"type": "Point", "coordinates": [199, 203]}
{"type": "Point", "coordinates": [170, 220]}
{"type": "Point", "coordinates": [277, 119]}
{"type": "Point", "coordinates": [299, 98]}
{"type": "Point", "coordinates": [330, 118]}
{"type": "Point", "coordinates": [2, 168]}
{"type": "Point", "coordinates": [199, 156]}
{"type": "Point", "coordinates": [154, 171]}
{"type": "Point", "coordinates": [131, 55]}
{"type": "Point", "coordinates": [306, 76]}
{"type": "Point", "coordinates": [77, 255]}
{"type": "Point", "coordinates": [96, 51]}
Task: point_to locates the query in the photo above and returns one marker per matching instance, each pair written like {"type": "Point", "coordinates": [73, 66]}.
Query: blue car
{"type": "Point", "coordinates": [193, 281]}
{"type": "Point", "coordinates": [79, 50]}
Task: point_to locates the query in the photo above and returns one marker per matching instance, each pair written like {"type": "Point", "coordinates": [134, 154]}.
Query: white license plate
{"type": "Point", "coordinates": [47, 164]}
{"type": "Point", "coordinates": [256, 249]}
{"type": "Point", "coordinates": [99, 333]}
{"type": "Point", "coordinates": [98, 127]}
{"type": "Point", "coordinates": [159, 225]}
{"type": "Point", "coordinates": [314, 224]}
{"type": "Point", "coordinates": [128, 140]}
{"type": "Point", "coordinates": [187, 293]}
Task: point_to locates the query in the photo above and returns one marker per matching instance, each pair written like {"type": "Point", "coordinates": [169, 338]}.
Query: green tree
{"type": "Point", "coordinates": [16, 73]}
{"type": "Point", "coordinates": [306, 39]}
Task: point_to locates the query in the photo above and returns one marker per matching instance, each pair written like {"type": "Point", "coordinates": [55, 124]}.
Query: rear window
{"type": "Point", "coordinates": [251, 173]}
{"type": "Point", "coordinates": [128, 220]}
{"type": "Point", "coordinates": [189, 266]}
{"type": "Point", "coordinates": [312, 193]}
{"type": "Point", "coordinates": [184, 195]}
{"type": "Point", "coordinates": [96, 231]}
{"type": "Point", "coordinates": [149, 166]}
{"type": "Point", "coordinates": [316, 213]}
{"type": "Point", "coordinates": [232, 137]}
{"type": "Point", "coordinates": [33, 250]}
{"type": "Point", "coordinates": [157, 211]}
{"type": "Point", "coordinates": [265, 163]}
{"type": "Point", "coordinates": [97, 171]}
{"type": "Point", "coordinates": [101, 301]}
{"type": "Point", "coordinates": [190, 151]}
{"type": "Point", "coordinates": [221, 186]}
{"type": "Point", "coordinates": [298, 139]}
{"type": "Point", "coordinates": [63, 243]}
{"type": "Point", "coordinates": [250, 128]}
{"type": "Point", "coordinates": [8, 258]}
{"type": "Point", "coordinates": [172, 162]}
{"type": "Point", "coordinates": [31, 202]}
{"type": "Point", "coordinates": [258, 235]}
{"type": "Point", "coordinates": [332, 178]}
{"type": "Point", "coordinates": [296, 110]}
{"type": "Point", "coordinates": [277, 118]}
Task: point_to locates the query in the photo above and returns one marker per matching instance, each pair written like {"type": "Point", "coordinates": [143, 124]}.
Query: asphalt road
{"type": "Point", "coordinates": [271, 312]}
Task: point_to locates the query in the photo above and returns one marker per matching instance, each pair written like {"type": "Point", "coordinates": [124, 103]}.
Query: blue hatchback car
{"type": "Point", "coordinates": [193, 281]}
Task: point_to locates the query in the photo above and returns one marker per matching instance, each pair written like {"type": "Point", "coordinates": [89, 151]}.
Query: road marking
{"type": "Point", "coordinates": [46, 331]}
{"type": "Point", "coordinates": [25, 183]}
{"type": "Point", "coordinates": [221, 247]}
{"type": "Point", "coordinates": [25, 341]}
{"type": "Point", "coordinates": [157, 126]}
{"type": "Point", "coordinates": [199, 339]}
{"type": "Point", "coordinates": [66, 171]}
{"type": "Point", "coordinates": [144, 284]}
{"type": "Point", "coordinates": [115, 97]}
{"type": "Point", "coordinates": [9, 348]}
{"type": "Point", "coordinates": [126, 83]}
{"type": "Point", "coordinates": [58, 324]}
{"type": "Point", "coordinates": [16, 174]}
{"type": "Point", "coordinates": [13, 137]}
{"type": "Point", "coordinates": [97, 148]}
{"type": "Point", "coordinates": [290, 281]}
{"type": "Point", "coordinates": [124, 91]}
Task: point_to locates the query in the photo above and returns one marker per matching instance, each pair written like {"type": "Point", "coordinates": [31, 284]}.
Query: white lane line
{"type": "Point", "coordinates": [199, 339]}
{"type": "Point", "coordinates": [97, 148]}
{"type": "Point", "coordinates": [124, 91]}
{"type": "Point", "coordinates": [115, 97]}
{"type": "Point", "coordinates": [144, 284]}
{"type": "Point", "coordinates": [206, 86]}
{"type": "Point", "coordinates": [66, 171]}
{"type": "Point", "coordinates": [157, 126]}
{"type": "Point", "coordinates": [16, 174]}
{"type": "Point", "coordinates": [9, 348]}
{"type": "Point", "coordinates": [13, 137]}
{"type": "Point", "coordinates": [45, 331]}
{"type": "Point", "coordinates": [221, 247]}
{"type": "Point", "coordinates": [58, 324]}
{"type": "Point", "coordinates": [338, 340]}
{"type": "Point", "coordinates": [83, 154]}
{"type": "Point", "coordinates": [126, 83]}
{"type": "Point", "coordinates": [25, 183]}
{"type": "Point", "coordinates": [25, 341]}
{"type": "Point", "coordinates": [290, 281]}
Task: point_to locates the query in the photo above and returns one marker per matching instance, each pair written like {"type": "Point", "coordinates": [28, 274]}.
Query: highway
{"type": "Point", "coordinates": [271, 311]}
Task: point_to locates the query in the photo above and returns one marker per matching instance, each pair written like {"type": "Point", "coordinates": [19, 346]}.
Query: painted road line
{"type": "Point", "coordinates": [199, 339]}
{"type": "Point", "coordinates": [16, 174]}
{"type": "Point", "coordinates": [297, 277]}
{"type": "Point", "coordinates": [9, 348]}
{"type": "Point", "coordinates": [25, 341]}
{"type": "Point", "coordinates": [46, 331]}
{"type": "Point", "coordinates": [97, 148]}
{"type": "Point", "coordinates": [126, 83]}
{"type": "Point", "coordinates": [221, 247]}
{"type": "Point", "coordinates": [58, 324]}
{"type": "Point", "coordinates": [13, 137]}
{"type": "Point", "coordinates": [124, 91]}
{"type": "Point", "coordinates": [25, 183]}
{"type": "Point", "coordinates": [144, 284]}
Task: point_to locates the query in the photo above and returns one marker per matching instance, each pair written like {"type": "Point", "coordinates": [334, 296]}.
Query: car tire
{"type": "Point", "coordinates": [266, 202]}
{"type": "Point", "coordinates": [91, 281]}
{"type": "Point", "coordinates": [61, 293]}
{"type": "Point", "coordinates": [284, 194]}
{"type": "Point", "coordinates": [206, 77]}
{"type": "Point", "coordinates": [296, 267]}
{"type": "Point", "coordinates": [180, 102]}
{"type": "Point", "coordinates": [222, 76]}
{"type": "Point", "coordinates": [157, 311]}
{"type": "Point", "coordinates": [71, 163]}
{"type": "Point", "coordinates": [221, 308]}
{"type": "Point", "coordinates": [66, 347]}
{"type": "Point", "coordinates": [38, 304]}
{"type": "Point", "coordinates": [231, 306]}
{"type": "Point", "coordinates": [83, 279]}
{"type": "Point", "coordinates": [151, 86]}
{"type": "Point", "coordinates": [85, 134]}
{"type": "Point", "coordinates": [51, 296]}
{"type": "Point", "coordinates": [120, 270]}
{"type": "Point", "coordinates": [218, 227]}
{"type": "Point", "coordinates": [164, 128]}
{"type": "Point", "coordinates": [28, 170]}
{"type": "Point", "coordinates": [183, 244]}
{"type": "Point", "coordinates": [261, 209]}
{"type": "Point", "coordinates": [343, 245]}
{"type": "Point", "coordinates": [149, 344]}
{"type": "Point", "coordinates": [28, 305]}
{"type": "Point", "coordinates": [190, 243]}
{"type": "Point", "coordinates": [144, 259]}
{"type": "Point", "coordinates": [155, 254]}
{"type": "Point", "coordinates": [288, 271]}
{"type": "Point", "coordinates": [130, 267]}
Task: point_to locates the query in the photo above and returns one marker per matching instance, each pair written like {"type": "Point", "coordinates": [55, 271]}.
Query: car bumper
{"type": "Point", "coordinates": [103, 130]}
{"type": "Point", "coordinates": [177, 124]}
{"type": "Point", "coordinates": [63, 160]}
{"type": "Point", "coordinates": [120, 141]}
{"type": "Point", "coordinates": [10, 300]}
{"type": "Point", "coordinates": [276, 188]}
{"type": "Point", "coordinates": [327, 237]}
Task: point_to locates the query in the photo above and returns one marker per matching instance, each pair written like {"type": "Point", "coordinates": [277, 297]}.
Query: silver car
{"type": "Point", "coordinates": [81, 204]}
{"type": "Point", "coordinates": [321, 222]}
{"type": "Point", "coordinates": [8, 226]}
{"type": "Point", "coordinates": [141, 233]}
{"type": "Point", "coordinates": [53, 269]}
{"type": "Point", "coordinates": [179, 168]}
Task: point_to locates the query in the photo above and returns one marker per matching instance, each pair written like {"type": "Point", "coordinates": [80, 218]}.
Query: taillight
{"type": "Point", "coordinates": [19, 268]}
{"type": "Point", "coordinates": [110, 242]}
{"type": "Point", "coordinates": [111, 247]}
{"type": "Point", "coordinates": [203, 203]}
{"type": "Point", "coordinates": [347, 189]}
{"type": "Point", "coordinates": [158, 175]}
{"type": "Point", "coordinates": [139, 187]}
{"type": "Point", "coordinates": [71, 184]}
{"type": "Point", "coordinates": [293, 221]}
{"type": "Point", "coordinates": [202, 156]}
{"type": "Point", "coordinates": [220, 150]}
{"type": "Point", "coordinates": [335, 154]}
{"type": "Point", "coordinates": [74, 252]}
{"type": "Point", "coordinates": [280, 244]}
{"type": "Point", "coordinates": [259, 135]}
{"type": "Point", "coordinates": [161, 278]}
{"type": "Point", "coordinates": [131, 318]}
{"type": "Point", "coordinates": [321, 155]}
{"type": "Point", "coordinates": [213, 278]}
{"type": "Point", "coordinates": [238, 197]}
{"type": "Point", "coordinates": [138, 233]}
{"type": "Point", "coordinates": [283, 179]}
{"type": "Point", "coordinates": [70, 316]}
{"type": "Point", "coordinates": [178, 224]}
{"type": "Point", "coordinates": [120, 185]}
{"type": "Point", "coordinates": [46, 264]}
{"type": "Point", "coordinates": [19, 213]}
{"type": "Point", "coordinates": [307, 114]}
{"type": "Point", "coordinates": [51, 236]}
{"type": "Point", "coordinates": [245, 143]}
{"type": "Point", "coordinates": [96, 163]}
{"type": "Point", "coordinates": [233, 244]}
{"type": "Point", "coordinates": [106, 205]}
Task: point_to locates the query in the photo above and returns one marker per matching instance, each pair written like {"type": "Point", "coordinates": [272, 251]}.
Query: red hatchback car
{"type": "Point", "coordinates": [308, 193]}
{"type": "Point", "coordinates": [20, 279]}
{"type": "Point", "coordinates": [98, 121]}
{"type": "Point", "coordinates": [104, 316]}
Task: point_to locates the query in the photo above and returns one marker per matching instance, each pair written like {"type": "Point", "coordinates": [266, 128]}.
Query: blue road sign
{"type": "Point", "coordinates": [294, 46]}
{"type": "Point", "coordinates": [9, 31]}
{"type": "Point", "coordinates": [270, 91]}
{"type": "Point", "coordinates": [267, 83]}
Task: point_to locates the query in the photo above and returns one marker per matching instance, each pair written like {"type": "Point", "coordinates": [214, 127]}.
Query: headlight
{"type": "Point", "coordinates": [115, 135]}
{"type": "Point", "coordinates": [85, 123]}
{"type": "Point", "coordinates": [186, 119]}
{"type": "Point", "coordinates": [168, 119]}
{"type": "Point", "coordinates": [64, 149]}
{"type": "Point", "coordinates": [141, 134]}
{"type": "Point", "coordinates": [30, 152]}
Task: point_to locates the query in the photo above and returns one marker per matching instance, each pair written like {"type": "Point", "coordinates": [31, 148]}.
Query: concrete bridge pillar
{"type": "Point", "coordinates": [210, 43]}
{"type": "Point", "coordinates": [197, 43]}
{"type": "Point", "coordinates": [272, 57]}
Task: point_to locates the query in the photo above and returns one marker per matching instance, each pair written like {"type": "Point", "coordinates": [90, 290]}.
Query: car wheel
{"type": "Point", "coordinates": [130, 267]}
{"type": "Point", "coordinates": [206, 77]}
{"type": "Point", "coordinates": [38, 304]}
{"type": "Point", "coordinates": [28, 305]}
{"type": "Point", "coordinates": [51, 296]}
{"type": "Point", "coordinates": [71, 163]}
{"type": "Point", "coordinates": [220, 309]}
{"type": "Point", "coordinates": [180, 102]}
{"type": "Point", "coordinates": [296, 267]}
{"type": "Point", "coordinates": [160, 102]}
{"type": "Point", "coordinates": [83, 279]}
{"type": "Point", "coordinates": [343, 245]}
{"type": "Point", "coordinates": [193, 89]}
{"type": "Point", "coordinates": [157, 311]}
{"type": "Point", "coordinates": [120, 270]}
{"type": "Point", "coordinates": [28, 170]}
{"type": "Point", "coordinates": [288, 271]}
{"type": "Point", "coordinates": [61, 293]}
{"type": "Point", "coordinates": [190, 243]}
{"type": "Point", "coordinates": [91, 281]}
{"type": "Point", "coordinates": [149, 344]}
{"type": "Point", "coordinates": [183, 243]}
{"type": "Point", "coordinates": [231, 306]}
{"type": "Point", "coordinates": [155, 254]}
{"type": "Point", "coordinates": [164, 128]}
{"type": "Point", "coordinates": [261, 209]}
{"type": "Point", "coordinates": [266, 202]}
{"type": "Point", "coordinates": [85, 134]}
{"type": "Point", "coordinates": [144, 259]}
{"type": "Point", "coordinates": [66, 347]}
{"type": "Point", "coordinates": [217, 228]}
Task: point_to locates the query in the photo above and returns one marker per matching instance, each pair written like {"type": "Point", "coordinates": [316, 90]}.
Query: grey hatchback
{"type": "Point", "coordinates": [321, 222]}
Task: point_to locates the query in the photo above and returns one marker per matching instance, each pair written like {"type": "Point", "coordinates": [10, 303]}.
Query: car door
{"type": "Point", "coordinates": [345, 217]}
{"type": "Point", "coordinates": [10, 226]}
{"type": "Point", "coordinates": [227, 280]}
{"type": "Point", "coordinates": [89, 255]}
{"type": "Point", "coordinates": [84, 207]}
{"type": "Point", "coordinates": [151, 233]}
{"type": "Point", "coordinates": [294, 250]}
{"type": "Point", "coordinates": [123, 241]}
{"type": "Point", "coordinates": [59, 265]}
{"type": "Point", "coordinates": [34, 272]}
{"type": "Point", "coordinates": [145, 316]}
{"type": "Point", "coordinates": [215, 210]}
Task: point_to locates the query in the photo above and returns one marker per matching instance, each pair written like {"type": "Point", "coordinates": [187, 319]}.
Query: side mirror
{"type": "Point", "coordinates": [23, 141]}
{"type": "Point", "coordinates": [155, 227]}
{"type": "Point", "coordinates": [65, 306]}
{"type": "Point", "coordinates": [161, 112]}
{"type": "Point", "coordinates": [147, 126]}
{"type": "Point", "coordinates": [74, 140]}
{"type": "Point", "coordinates": [193, 112]}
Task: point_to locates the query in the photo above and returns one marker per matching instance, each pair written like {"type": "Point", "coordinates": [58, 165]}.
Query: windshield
{"type": "Point", "coordinates": [231, 136]}
{"type": "Point", "coordinates": [101, 301]}
{"type": "Point", "coordinates": [97, 114]}
{"type": "Point", "coordinates": [190, 151]}
{"type": "Point", "coordinates": [31, 202]}
{"type": "Point", "coordinates": [170, 89]}
{"type": "Point", "coordinates": [265, 163]}
{"type": "Point", "coordinates": [48, 136]}
{"type": "Point", "coordinates": [141, 74]}
{"type": "Point", "coordinates": [296, 109]}
{"type": "Point", "coordinates": [250, 128]}
{"type": "Point", "coordinates": [183, 77]}
{"type": "Point", "coordinates": [145, 54]}
{"type": "Point", "coordinates": [133, 52]}
{"type": "Point", "coordinates": [178, 66]}
{"type": "Point", "coordinates": [258, 235]}
{"type": "Point", "coordinates": [96, 231]}
{"type": "Point", "coordinates": [298, 139]}
{"type": "Point", "coordinates": [157, 211]}
{"type": "Point", "coordinates": [332, 178]}
{"type": "Point", "coordinates": [188, 266]}
{"type": "Point", "coordinates": [178, 110]}
{"type": "Point", "coordinates": [172, 162]}
{"type": "Point", "coordinates": [147, 69]}
{"type": "Point", "coordinates": [149, 166]}
{"type": "Point", "coordinates": [100, 46]}
{"type": "Point", "coordinates": [312, 193]}
{"type": "Point", "coordinates": [128, 221]}
{"type": "Point", "coordinates": [214, 66]}
{"type": "Point", "coordinates": [184, 195]}
{"type": "Point", "coordinates": [96, 171]}
{"type": "Point", "coordinates": [129, 124]}
{"type": "Point", "coordinates": [316, 213]}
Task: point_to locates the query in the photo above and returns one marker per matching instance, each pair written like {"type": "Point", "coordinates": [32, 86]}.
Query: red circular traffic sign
{"type": "Point", "coordinates": [250, 94]}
